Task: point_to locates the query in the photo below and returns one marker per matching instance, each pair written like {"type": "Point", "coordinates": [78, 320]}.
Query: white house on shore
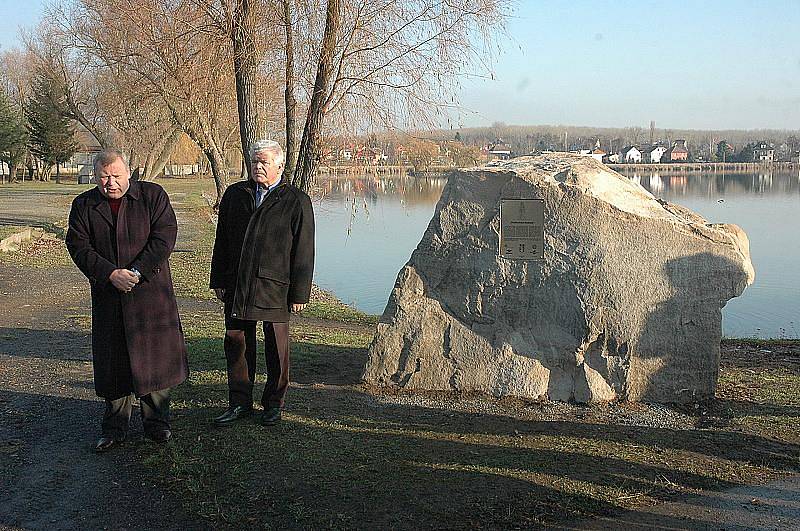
{"type": "Point", "coordinates": [630, 155]}
{"type": "Point", "coordinates": [653, 154]}
{"type": "Point", "coordinates": [763, 152]}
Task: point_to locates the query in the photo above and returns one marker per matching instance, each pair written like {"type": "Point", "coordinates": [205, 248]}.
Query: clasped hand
{"type": "Point", "coordinates": [123, 280]}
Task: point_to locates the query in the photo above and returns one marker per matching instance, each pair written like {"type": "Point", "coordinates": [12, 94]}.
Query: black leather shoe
{"type": "Point", "coordinates": [159, 436]}
{"type": "Point", "coordinates": [106, 443]}
{"type": "Point", "coordinates": [232, 415]}
{"type": "Point", "coordinates": [271, 416]}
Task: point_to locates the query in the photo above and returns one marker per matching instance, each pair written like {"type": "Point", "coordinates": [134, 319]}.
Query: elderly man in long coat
{"type": "Point", "coordinates": [120, 236]}
{"type": "Point", "coordinates": [261, 269]}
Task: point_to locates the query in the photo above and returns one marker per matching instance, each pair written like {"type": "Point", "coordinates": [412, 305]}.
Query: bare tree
{"type": "Point", "coordinates": [347, 67]}
{"type": "Point", "coordinates": [290, 102]}
{"type": "Point", "coordinates": [164, 48]}
{"type": "Point", "coordinates": [16, 75]}
{"type": "Point", "coordinates": [366, 64]}
{"type": "Point", "coordinates": [245, 64]}
{"type": "Point", "coordinates": [113, 106]}
{"type": "Point", "coordinates": [320, 99]}
{"type": "Point", "coordinates": [397, 63]}
{"type": "Point", "coordinates": [74, 74]}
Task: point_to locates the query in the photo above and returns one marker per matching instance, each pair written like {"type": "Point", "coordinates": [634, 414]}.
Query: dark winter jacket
{"type": "Point", "coordinates": [264, 257]}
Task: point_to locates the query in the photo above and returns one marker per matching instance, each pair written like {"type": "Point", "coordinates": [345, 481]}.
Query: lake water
{"type": "Point", "coordinates": [368, 227]}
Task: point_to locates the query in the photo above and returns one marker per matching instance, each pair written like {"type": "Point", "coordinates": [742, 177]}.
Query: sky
{"type": "Point", "coordinates": [716, 64]}
{"type": "Point", "coordinates": [687, 65]}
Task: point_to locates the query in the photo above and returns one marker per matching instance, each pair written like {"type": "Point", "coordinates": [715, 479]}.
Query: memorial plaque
{"type": "Point", "coordinates": [522, 229]}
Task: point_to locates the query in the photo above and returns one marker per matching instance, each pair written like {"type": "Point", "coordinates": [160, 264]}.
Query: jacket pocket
{"type": "Point", "coordinates": [271, 289]}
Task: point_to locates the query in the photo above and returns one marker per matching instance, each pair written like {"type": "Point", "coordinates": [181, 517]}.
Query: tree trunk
{"type": "Point", "coordinates": [58, 173]}
{"type": "Point", "coordinates": [160, 154]}
{"type": "Point", "coordinates": [157, 160]}
{"type": "Point", "coordinates": [45, 171]}
{"type": "Point", "coordinates": [307, 155]}
{"type": "Point", "coordinates": [219, 170]}
{"type": "Point", "coordinates": [148, 162]}
{"type": "Point", "coordinates": [133, 164]}
{"type": "Point", "coordinates": [246, 71]}
{"type": "Point", "coordinates": [289, 99]}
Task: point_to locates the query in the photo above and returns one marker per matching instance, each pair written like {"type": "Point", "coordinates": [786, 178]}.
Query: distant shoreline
{"type": "Point", "coordinates": [706, 166]}
{"type": "Point", "coordinates": [391, 169]}
{"type": "Point", "coordinates": [334, 171]}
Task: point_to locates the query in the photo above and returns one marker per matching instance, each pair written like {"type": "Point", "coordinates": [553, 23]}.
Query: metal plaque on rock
{"type": "Point", "coordinates": [522, 229]}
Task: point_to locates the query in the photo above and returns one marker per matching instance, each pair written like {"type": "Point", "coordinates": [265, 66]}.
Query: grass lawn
{"type": "Point", "coordinates": [347, 455]}
{"type": "Point", "coordinates": [8, 230]}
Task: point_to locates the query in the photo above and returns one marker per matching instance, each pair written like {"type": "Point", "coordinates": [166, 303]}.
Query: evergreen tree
{"type": "Point", "coordinates": [13, 135]}
{"type": "Point", "coordinates": [52, 137]}
{"type": "Point", "coordinates": [746, 154]}
{"type": "Point", "coordinates": [724, 152]}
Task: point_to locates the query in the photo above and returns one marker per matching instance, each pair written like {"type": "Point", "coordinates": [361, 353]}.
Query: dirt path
{"type": "Point", "coordinates": [50, 415]}
{"type": "Point", "coordinates": [775, 506]}
{"type": "Point", "coordinates": [50, 418]}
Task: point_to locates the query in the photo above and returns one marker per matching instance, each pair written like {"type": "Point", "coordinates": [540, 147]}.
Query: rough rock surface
{"type": "Point", "coordinates": [625, 305]}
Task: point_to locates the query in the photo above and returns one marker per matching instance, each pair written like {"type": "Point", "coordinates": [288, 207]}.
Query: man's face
{"type": "Point", "coordinates": [113, 180]}
{"type": "Point", "coordinates": [264, 168]}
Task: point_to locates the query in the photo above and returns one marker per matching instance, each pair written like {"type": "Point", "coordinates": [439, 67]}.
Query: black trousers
{"type": "Point", "coordinates": [240, 354]}
{"type": "Point", "coordinates": [154, 408]}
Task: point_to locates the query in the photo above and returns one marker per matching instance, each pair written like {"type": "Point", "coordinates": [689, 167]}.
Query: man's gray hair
{"type": "Point", "coordinates": [260, 146]}
{"type": "Point", "coordinates": [109, 156]}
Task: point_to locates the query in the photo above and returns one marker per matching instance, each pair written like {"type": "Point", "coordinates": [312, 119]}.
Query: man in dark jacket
{"type": "Point", "coordinates": [120, 236]}
{"type": "Point", "coordinates": [261, 269]}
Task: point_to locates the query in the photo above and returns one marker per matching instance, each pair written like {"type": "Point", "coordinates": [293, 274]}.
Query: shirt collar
{"type": "Point", "coordinates": [270, 187]}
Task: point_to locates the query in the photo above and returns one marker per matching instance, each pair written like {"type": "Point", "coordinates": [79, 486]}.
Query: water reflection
{"type": "Point", "coordinates": [711, 184]}
{"type": "Point", "coordinates": [411, 190]}
{"type": "Point", "coordinates": [367, 228]}
{"type": "Point", "coordinates": [765, 204]}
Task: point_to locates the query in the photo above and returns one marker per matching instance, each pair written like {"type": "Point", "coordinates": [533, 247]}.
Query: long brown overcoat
{"type": "Point", "coordinates": [137, 339]}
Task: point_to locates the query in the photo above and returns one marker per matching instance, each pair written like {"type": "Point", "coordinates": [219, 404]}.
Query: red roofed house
{"type": "Point", "coordinates": [677, 153]}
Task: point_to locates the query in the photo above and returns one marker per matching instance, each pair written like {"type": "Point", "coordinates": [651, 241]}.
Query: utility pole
{"type": "Point", "coordinates": [652, 131]}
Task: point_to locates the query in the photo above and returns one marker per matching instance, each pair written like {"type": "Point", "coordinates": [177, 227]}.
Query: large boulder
{"type": "Point", "coordinates": [626, 303]}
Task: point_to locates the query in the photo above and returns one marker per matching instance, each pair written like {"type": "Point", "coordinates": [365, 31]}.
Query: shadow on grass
{"type": "Point", "coordinates": [52, 479]}
{"type": "Point", "coordinates": [344, 458]}
{"type": "Point", "coordinates": [33, 222]}
{"type": "Point", "coordinates": [310, 362]}
{"type": "Point", "coordinates": [737, 408]}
